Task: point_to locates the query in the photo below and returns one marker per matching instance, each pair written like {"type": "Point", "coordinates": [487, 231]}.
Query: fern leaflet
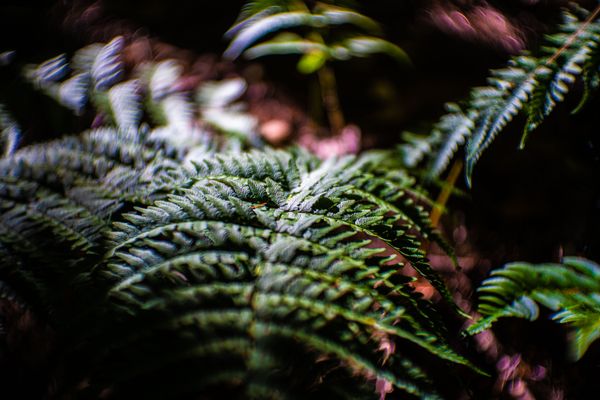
{"type": "Point", "coordinates": [572, 290]}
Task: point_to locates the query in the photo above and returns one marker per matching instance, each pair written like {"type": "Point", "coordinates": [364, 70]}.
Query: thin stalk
{"type": "Point", "coordinates": [574, 36]}
{"type": "Point", "coordinates": [330, 98]}
{"type": "Point", "coordinates": [442, 199]}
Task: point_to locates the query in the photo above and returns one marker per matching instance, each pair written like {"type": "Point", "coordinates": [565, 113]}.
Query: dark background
{"type": "Point", "coordinates": [531, 205]}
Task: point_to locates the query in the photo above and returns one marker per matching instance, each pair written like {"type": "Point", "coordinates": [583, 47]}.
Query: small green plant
{"type": "Point", "coordinates": [319, 33]}
{"type": "Point", "coordinates": [571, 289]}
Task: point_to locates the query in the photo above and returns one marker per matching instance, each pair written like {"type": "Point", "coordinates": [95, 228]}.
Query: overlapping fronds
{"type": "Point", "coordinates": [248, 263]}
{"type": "Point", "coordinates": [264, 274]}
{"type": "Point", "coordinates": [279, 243]}
{"type": "Point", "coordinates": [169, 269]}
{"type": "Point", "coordinates": [149, 98]}
{"type": "Point", "coordinates": [57, 199]}
{"type": "Point", "coordinates": [571, 289]}
{"type": "Point", "coordinates": [259, 20]}
{"type": "Point", "coordinates": [532, 84]}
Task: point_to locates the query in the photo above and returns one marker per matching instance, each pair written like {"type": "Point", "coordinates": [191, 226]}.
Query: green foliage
{"type": "Point", "coordinates": [571, 289]}
{"type": "Point", "coordinates": [96, 75]}
{"type": "Point", "coordinates": [168, 269]}
{"type": "Point", "coordinates": [532, 84]}
{"type": "Point", "coordinates": [324, 37]}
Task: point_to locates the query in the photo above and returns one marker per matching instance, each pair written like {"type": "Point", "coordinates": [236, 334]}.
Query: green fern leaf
{"type": "Point", "coordinates": [511, 89]}
{"type": "Point", "coordinates": [268, 247]}
{"type": "Point", "coordinates": [459, 125]}
{"type": "Point", "coordinates": [266, 25]}
{"type": "Point", "coordinates": [572, 290]}
{"type": "Point", "coordinates": [532, 84]}
{"type": "Point", "coordinates": [557, 77]}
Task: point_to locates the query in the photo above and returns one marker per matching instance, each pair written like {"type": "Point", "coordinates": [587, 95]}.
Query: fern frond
{"type": "Point", "coordinates": [356, 46]}
{"type": "Point", "coordinates": [96, 68]}
{"type": "Point", "coordinates": [566, 66]}
{"type": "Point", "coordinates": [532, 84]}
{"type": "Point", "coordinates": [571, 289]}
{"type": "Point", "coordinates": [99, 76]}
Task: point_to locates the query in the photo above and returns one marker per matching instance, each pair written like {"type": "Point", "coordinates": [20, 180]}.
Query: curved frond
{"type": "Point", "coordinates": [266, 25]}
{"type": "Point", "coordinates": [99, 76]}
{"type": "Point", "coordinates": [571, 289]}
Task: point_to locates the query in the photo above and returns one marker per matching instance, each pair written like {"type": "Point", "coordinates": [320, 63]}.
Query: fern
{"type": "Point", "coordinates": [532, 84]}
{"type": "Point", "coordinates": [572, 290]}
{"type": "Point", "coordinates": [277, 239]}
{"type": "Point", "coordinates": [168, 269]}
{"type": "Point", "coordinates": [96, 76]}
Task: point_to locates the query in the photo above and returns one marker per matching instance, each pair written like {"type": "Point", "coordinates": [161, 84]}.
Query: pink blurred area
{"type": "Point", "coordinates": [482, 23]}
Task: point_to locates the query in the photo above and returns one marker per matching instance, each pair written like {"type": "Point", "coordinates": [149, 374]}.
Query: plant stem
{"type": "Point", "coordinates": [330, 99]}
{"type": "Point", "coordinates": [442, 199]}
{"type": "Point", "coordinates": [572, 38]}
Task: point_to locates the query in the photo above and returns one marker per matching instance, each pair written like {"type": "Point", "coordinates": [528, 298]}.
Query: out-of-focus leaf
{"type": "Point", "coordinates": [219, 94]}
{"type": "Point", "coordinates": [312, 61]}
